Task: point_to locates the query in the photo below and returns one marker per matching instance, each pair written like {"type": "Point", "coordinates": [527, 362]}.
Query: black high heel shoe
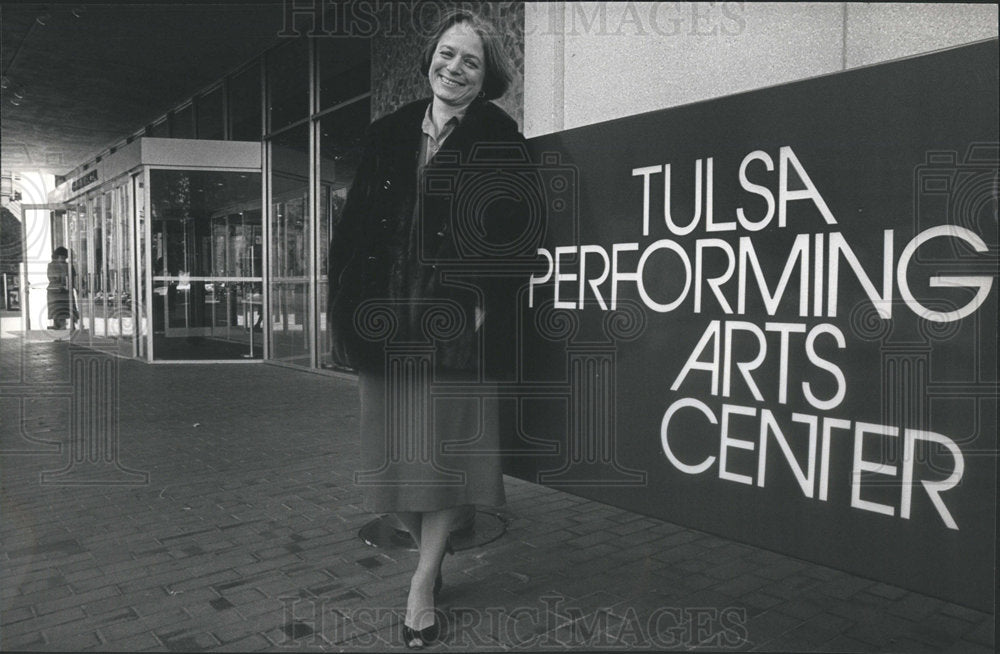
{"type": "Point", "coordinates": [420, 638]}
{"type": "Point", "coordinates": [439, 580]}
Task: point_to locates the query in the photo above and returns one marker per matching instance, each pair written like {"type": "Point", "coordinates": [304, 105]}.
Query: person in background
{"type": "Point", "coordinates": [59, 294]}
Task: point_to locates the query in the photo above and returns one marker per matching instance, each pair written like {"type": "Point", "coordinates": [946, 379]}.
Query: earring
{"type": "Point", "coordinates": [482, 94]}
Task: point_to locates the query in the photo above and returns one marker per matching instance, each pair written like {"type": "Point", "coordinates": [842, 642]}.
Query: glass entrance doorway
{"type": "Point", "coordinates": [206, 253]}
{"type": "Point", "coordinates": [167, 250]}
{"type": "Point", "coordinates": [97, 229]}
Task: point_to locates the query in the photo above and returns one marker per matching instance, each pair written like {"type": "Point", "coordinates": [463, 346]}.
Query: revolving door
{"type": "Point", "coordinates": [206, 252]}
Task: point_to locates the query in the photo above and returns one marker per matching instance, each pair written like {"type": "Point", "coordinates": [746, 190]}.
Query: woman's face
{"type": "Point", "coordinates": [457, 68]}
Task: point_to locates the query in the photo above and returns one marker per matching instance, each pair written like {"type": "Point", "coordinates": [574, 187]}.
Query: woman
{"type": "Point", "coordinates": [393, 251]}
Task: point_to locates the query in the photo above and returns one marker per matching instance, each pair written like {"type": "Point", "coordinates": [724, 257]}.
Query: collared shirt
{"type": "Point", "coordinates": [433, 139]}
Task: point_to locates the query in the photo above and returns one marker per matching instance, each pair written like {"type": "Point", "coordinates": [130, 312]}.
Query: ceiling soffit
{"type": "Point", "coordinates": [79, 78]}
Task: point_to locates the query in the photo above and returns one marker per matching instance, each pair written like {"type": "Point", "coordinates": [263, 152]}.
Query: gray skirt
{"type": "Point", "coordinates": [424, 452]}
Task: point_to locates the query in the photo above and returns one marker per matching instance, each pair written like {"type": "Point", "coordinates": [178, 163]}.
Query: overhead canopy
{"type": "Point", "coordinates": [78, 78]}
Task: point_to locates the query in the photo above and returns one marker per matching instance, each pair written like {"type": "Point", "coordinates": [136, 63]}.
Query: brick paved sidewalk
{"type": "Point", "coordinates": [245, 539]}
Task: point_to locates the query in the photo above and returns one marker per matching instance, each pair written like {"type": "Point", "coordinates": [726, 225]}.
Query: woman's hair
{"type": "Point", "coordinates": [60, 252]}
{"type": "Point", "coordinates": [498, 73]}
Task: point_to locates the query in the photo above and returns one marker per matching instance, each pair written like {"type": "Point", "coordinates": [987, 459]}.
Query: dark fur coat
{"type": "Point", "coordinates": [410, 260]}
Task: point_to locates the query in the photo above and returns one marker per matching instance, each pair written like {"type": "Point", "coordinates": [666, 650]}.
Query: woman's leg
{"type": "Point", "coordinates": [434, 530]}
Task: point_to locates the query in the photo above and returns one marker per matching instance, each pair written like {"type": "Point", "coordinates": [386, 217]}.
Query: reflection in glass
{"type": "Point", "coordinates": [244, 105]}
{"type": "Point", "coordinates": [207, 254]}
{"type": "Point", "coordinates": [341, 144]}
{"type": "Point", "coordinates": [107, 297]}
{"type": "Point", "coordinates": [290, 247]}
{"type": "Point", "coordinates": [95, 278]}
{"type": "Point", "coordinates": [139, 307]}
{"type": "Point", "coordinates": [125, 258]}
{"type": "Point", "coordinates": [100, 257]}
{"type": "Point", "coordinates": [208, 109]}
{"type": "Point", "coordinates": [76, 218]}
{"type": "Point", "coordinates": [288, 84]}
{"type": "Point", "coordinates": [344, 69]}
{"type": "Point", "coordinates": [160, 130]}
{"type": "Point", "coordinates": [182, 123]}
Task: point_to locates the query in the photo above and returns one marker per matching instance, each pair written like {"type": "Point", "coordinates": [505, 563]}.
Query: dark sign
{"type": "Point", "coordinates": [773, 316]}
{"type": "Point", "coordinates": [86, 180]}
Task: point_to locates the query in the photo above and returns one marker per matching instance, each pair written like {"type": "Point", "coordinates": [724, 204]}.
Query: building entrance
{"type": "Point", "coordinates": [207, 258]}
{"type": "Point", "coordinates": [98, 229]}
{"type": "Point", "coordinates": [166, 251]}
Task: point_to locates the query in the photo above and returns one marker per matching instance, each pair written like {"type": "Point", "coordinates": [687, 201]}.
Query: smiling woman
{"type": "Point", "coordinates": [465, 50]}
{"type": "Point", "coordinates": [456, 69]}
{"type": "Point", "coordinates": [392, 257]}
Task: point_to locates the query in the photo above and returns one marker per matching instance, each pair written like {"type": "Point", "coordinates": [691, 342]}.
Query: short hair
{"type": "Point", "coordinates": [498, 67]}
{"type": "Point", "coordinates": [60, 252]}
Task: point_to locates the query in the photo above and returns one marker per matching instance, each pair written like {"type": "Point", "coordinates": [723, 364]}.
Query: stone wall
{"type": "Point", "coordinates": [589, 62]}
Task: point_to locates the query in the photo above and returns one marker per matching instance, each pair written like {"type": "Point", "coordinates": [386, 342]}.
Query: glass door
{"type": "Point", "coordinates": [291, 248]}
{"type": "Point", "coordinates": [140, 288]}
{"type": "Point", "coordinates": [113, 306]}
{"type": "Point", "coordinates": [206, 249]}
{"type": "Point", "coordinates": [82, 263]}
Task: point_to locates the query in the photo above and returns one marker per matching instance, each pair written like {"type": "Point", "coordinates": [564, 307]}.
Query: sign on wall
{"type": "Point", "coordinates": [773, 316]}
{"type": "Point", "coordinates": [84, 180]}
